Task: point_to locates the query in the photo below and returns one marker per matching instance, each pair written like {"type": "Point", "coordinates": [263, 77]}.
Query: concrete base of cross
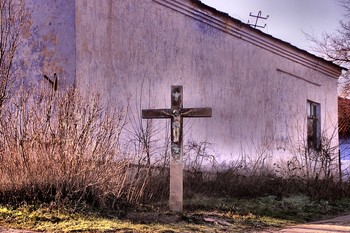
{"type": "Point", "coordinates": [176, 186]}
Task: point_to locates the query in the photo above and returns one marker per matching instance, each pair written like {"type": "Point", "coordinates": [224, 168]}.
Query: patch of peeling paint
{"type": "Point", "coordinates": [48, 41]}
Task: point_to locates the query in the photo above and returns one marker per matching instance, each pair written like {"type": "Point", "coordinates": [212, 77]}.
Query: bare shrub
{"type": "Point", "coordinates": [247, 176]}
{"type": "Point", "coordinates": [148, 143]}
{"type": "Point", "coordinates": [150, 163]}
{"type": "Point", "coordinates": [314, 171]}
{"type": "Point", "coordinates": [12, 15]}
{"type": "Point", "coordinates": [310, 172]}
{"type": "Point", "coordinates": [237, 179]}
{"type": "Point", "coordinates": [199, 162]}
{"type": "Point", "coordinates": [320, 163]}
{"type": "Point", "coordinates": [58, 147]}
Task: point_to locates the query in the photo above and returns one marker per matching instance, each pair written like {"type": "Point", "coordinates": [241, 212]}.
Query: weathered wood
{"type": "Point", "coordinates": [176, 114]}
{"type": "Point", "coordinates": [167, 113]}
{"type": "Point", "coordinates": [156, 113]}
{"type": "Point", "coordinates": [196, 112]}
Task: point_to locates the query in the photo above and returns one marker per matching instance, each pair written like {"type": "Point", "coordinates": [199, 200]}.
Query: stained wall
{"type": "Point", "coordinates": [258, 86]}
{"type": "Point", "coordinates": [48, 42]}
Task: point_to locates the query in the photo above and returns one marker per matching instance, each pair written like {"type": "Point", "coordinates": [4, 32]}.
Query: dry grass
{"type": "Point", "coordinates": [62, 150]}
{"type": "Point", "coordinates": [56, 147]}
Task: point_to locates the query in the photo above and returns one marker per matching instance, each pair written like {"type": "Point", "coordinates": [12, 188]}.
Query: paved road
{"type": "Point", "coordinates": [336, 225]}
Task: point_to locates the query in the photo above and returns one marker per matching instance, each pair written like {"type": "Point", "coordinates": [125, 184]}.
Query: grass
{"type": "Point", "coordinates": [230, 215]}
{"type": "Point", "coordinates": [45, 219]}
{"type": "Point", "coordinates": [295, 209]}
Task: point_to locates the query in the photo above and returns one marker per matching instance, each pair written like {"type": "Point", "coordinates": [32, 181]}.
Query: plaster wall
{"type": "Point", "coordinates": [133, 51]}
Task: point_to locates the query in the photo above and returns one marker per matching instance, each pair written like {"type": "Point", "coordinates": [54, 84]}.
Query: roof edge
{"type": "Point", "coordinates": [224, 22]}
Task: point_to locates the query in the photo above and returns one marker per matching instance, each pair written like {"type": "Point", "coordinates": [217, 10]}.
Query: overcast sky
{"type": "Point", "coordinates": [288, 19]}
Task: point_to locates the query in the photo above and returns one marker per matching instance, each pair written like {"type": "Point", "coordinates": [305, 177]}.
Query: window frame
{"type": "Point", "coordinates": [313, 125]}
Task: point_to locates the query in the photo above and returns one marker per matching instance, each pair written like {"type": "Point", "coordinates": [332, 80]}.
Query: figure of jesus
{"type": "Point", "coordinates": [176, 126]}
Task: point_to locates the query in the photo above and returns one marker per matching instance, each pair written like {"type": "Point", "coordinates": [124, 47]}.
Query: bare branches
{"type": "Point", "coordinates": [346, 5]}
{"type": "Point", "coordinates": [64, 147]}
{"type": "Point", "coordinates": [11, 25]}
{"type": "Point", "coordinates": [336, 46]}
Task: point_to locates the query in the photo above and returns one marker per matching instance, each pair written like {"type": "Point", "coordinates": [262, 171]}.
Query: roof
{"type": "Point", "coordinates": [203, 6]}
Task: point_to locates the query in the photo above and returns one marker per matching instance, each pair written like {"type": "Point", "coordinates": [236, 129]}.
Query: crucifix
{"type": "Point", "coordinates": [176, 113]}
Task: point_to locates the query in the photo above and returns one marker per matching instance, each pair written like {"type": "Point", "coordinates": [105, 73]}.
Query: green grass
{"type": "Point", "coordinates": [295, 209]}
{"type": "Point", "coordinates": [243, 215]}
{"type": "Point", "coordinates": [29, 217]}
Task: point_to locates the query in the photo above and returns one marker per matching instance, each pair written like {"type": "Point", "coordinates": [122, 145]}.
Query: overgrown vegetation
{"type": "Point", "coordinates": [59, 148]}
{"type": "Point", "coordinates": [63, 157]}
{"type": "Point", "coordinates": [65, 164]}
{"type": "Point", "coordinates": [12, 15]}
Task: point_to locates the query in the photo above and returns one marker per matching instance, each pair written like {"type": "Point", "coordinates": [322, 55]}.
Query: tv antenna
{"type": "Point", "coordinates": [257, 17]}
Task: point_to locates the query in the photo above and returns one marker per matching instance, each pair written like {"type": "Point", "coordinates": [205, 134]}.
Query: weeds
{"type": "Point", "coordinates": [59, 148]}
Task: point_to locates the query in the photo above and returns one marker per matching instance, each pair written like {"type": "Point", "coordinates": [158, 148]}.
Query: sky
{"type": "Point", "coordinates": [288, 20]}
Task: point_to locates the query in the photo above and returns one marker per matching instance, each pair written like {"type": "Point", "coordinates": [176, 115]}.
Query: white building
{"type": "Point", "coordinates": [265, 93]}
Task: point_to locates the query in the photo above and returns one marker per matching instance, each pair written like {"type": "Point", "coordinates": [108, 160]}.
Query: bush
{"type": "Point", "coordinates": [58, 147]}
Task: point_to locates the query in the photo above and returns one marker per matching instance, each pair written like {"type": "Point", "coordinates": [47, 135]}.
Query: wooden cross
{"type": "Point", "coordinates": [176, 113]}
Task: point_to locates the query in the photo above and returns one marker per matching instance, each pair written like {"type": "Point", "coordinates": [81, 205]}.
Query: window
{"type": "Point", "coordinates": [313, 125]}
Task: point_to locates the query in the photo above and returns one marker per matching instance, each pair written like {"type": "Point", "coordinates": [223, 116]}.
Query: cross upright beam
{"type": "Point", "coordinates": [176, 113]}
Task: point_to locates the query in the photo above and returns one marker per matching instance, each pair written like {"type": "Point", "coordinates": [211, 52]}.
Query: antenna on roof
{"type": "Point", "coordinates": [257, 17]}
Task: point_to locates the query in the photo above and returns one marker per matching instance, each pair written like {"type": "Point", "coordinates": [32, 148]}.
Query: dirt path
{"type": "Point", "coordinates": [6, 230]}
{"type": "Point", "coordinates": [338, 225]}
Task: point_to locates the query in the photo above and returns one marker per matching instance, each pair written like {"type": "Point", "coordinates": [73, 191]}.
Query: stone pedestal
{"type": "Point", "coordinates": [176, 186]}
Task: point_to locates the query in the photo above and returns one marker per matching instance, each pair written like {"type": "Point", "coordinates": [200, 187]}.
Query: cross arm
{"type": "Point", "coordinates": [196, 112]}
{"type": "Point", "coordinates": [156, 113]}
